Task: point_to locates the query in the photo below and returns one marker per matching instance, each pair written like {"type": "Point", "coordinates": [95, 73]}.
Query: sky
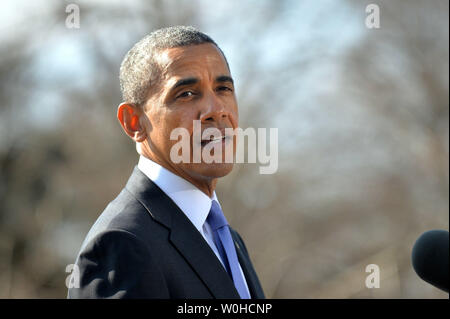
{"type": "Point", "coordinates": [63, 61]}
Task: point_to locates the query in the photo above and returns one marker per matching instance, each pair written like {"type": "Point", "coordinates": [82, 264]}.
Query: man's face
{"type": "Point", "coordinates": [195, 84]}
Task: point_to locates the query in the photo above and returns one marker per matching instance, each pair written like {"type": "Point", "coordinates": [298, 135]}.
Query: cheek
{"type": "Point", "coordinates": [234, 117]}
{"type": "Point", "coordinates": [175, 120]}
{"type": "Point", "coordinates": [158, 128]}
{"type": "Point", "coordinates": [185, 119]}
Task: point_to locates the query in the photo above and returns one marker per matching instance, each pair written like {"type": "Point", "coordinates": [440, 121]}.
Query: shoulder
{"type": "Point", "coordinates": [125, 216]}
{"type": "Point", "coordinates": [117, 264]}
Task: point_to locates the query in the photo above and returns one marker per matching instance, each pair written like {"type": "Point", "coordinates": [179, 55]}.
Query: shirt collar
{"type": "Point", "coordinates": [193, 202]}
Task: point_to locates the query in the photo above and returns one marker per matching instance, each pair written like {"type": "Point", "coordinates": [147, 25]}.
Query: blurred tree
{"type": "Point", "coordinates": [363, 137]}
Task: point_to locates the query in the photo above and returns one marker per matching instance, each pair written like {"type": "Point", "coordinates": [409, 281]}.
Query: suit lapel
{"type": "Point", "coordinates": [183, 235]}
{"type": "Point", "coordinates": [199, 255]}
{"type": "Point", "coordinates": [253, 283]}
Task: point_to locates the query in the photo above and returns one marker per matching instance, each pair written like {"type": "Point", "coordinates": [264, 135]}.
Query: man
{"type": "Point", "coordinates": [165, 235]}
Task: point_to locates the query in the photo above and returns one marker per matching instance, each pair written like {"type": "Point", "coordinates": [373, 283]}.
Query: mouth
{"type": "Point", "coordinates": [214, 140]}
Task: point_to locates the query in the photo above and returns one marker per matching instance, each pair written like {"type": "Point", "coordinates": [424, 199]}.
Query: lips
{"type": "Point", "coordinates": [213, 140]}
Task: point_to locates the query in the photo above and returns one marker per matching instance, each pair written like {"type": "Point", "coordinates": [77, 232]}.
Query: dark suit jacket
{"type": "Point", "coordinates": [144, 246]}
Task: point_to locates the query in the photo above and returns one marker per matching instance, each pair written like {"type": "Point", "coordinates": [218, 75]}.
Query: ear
{"type": "Point", "coordinates": [129, 117]}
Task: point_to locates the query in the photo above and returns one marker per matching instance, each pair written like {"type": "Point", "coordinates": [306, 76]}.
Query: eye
{"type": "Point", "coordinates": [224, 88]}
{"type": "Point", "coordinates": [185, 94]}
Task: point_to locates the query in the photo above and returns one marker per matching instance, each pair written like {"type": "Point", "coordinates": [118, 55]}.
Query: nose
{"type": "Point", "coordinates": [214, 111]}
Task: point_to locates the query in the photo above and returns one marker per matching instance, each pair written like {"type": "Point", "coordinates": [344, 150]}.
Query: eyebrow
{"type": "Point", "coordinates": [192, 80]}
{"type": "Point", "coordinates": [224, 78]}
{"type": "Point", "coordinates": [184, 82]}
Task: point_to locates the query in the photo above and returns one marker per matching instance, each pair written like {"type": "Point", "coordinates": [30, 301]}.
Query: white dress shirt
{"type": "Point", "coordinates": [193, 202]}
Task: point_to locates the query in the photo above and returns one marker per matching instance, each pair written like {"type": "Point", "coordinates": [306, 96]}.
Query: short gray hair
{"type": "Point", "coordinates": [139, 69]}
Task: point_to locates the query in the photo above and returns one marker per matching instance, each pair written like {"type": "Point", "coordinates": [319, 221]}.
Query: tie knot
{"type": "Point", "coordinates": [216, 219]}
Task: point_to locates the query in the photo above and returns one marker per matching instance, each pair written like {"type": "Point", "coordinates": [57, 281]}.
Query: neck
{"type": "Point", "coordinates": [206, 185]}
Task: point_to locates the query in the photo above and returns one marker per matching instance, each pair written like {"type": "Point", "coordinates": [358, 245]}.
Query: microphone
{"type": "Point", "coordinates": [430, 256]}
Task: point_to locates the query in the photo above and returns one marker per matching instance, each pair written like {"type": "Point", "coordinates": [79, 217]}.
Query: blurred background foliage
{"type": "Point", "coordinates": [362, 114]}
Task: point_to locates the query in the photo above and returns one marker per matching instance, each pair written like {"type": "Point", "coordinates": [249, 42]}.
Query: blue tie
{"type": "Point", "coordinates": [225, 246]}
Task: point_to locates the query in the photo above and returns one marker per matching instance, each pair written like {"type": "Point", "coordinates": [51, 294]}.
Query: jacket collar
{"type": "Point", "coordinates": [192, 201]}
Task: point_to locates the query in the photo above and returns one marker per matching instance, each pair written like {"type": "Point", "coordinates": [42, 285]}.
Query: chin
{"type": "Point", "coordinates": [213, 170]}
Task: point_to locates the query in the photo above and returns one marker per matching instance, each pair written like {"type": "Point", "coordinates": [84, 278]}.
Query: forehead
{"type": "Point", "coordinates": [192, 61]}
